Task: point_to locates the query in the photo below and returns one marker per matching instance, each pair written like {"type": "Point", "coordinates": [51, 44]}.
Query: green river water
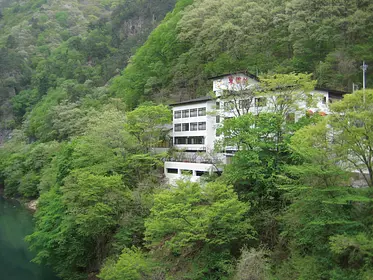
{"type": "Point", "coordinates": [15, 223]}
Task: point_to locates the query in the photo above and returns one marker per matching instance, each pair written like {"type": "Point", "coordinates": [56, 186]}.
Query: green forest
{"type": "Point", "coordinates": [84, 94]}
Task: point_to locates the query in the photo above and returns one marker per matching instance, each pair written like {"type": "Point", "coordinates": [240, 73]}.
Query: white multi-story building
{"type": "Point", "coordinates": [195, 123]}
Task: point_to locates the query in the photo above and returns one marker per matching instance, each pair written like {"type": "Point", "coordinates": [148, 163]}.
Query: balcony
{"type": "Point", "coordinates": [196, 157]}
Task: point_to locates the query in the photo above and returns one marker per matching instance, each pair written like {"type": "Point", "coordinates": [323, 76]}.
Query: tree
{"type": "Point", "coordinates": [259, 166]}
{"type": "Point", "coordinates": [74, 224]}
{"type": "Point", "coordinates": [325, 210]}
{"type": "Point", "coordinates": [148, 124]}
{"type": "Point", "coordinates": [253, 265]}
{"type": "Point", "coordinates": [351, 124]}
{"type": "Point", "coordinates": [201, 222]}
{"type": "Point", "coordinates": [132, 265]}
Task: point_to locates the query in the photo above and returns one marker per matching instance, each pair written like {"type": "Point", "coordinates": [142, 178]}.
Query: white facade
{"type": "Point", "coordinates": [178, 170]}
{"type": "Point", "coordinates": [195, 123]}
{"type": "Point", "coordinates": [193, 126]}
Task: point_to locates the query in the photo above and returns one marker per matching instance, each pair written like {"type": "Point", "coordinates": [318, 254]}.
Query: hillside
{"type": "Point", "coordinates": [44, 43]}
{"type": "Point", "coordinates": [329, 39]}
{"type": "Point", "coordinates": [84, 88]}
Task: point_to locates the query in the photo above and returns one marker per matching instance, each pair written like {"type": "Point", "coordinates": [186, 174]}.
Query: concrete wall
{"type": "Point", "coordinates": [183, 167]}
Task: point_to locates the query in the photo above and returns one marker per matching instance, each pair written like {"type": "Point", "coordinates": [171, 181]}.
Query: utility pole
{"type": "Point", "coordinates": [364, 67]}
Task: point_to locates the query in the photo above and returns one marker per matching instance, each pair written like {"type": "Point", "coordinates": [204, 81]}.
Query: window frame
{"type": "Point", "coordinates": [203, 124]}
{"type": "Point", "coordinates": [177, 127]}
{"type": "Point", "coordinates": [203, 110]}
{"type": "Point", "coordinates": [185, 113]}
{"type": "Point", "coordinates": [177, 114]}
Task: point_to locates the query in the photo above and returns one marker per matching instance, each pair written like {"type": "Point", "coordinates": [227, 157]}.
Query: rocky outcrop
{"type": "Point", "coordinates": [32, 205]}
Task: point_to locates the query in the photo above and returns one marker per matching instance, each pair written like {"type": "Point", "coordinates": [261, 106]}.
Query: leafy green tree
{"type": "Point", "coordinates": [148, 124]}
{"type": "Point", "coordinates": [351, 124]}
{"type": "Point", "coordinates": [325, 209]}
{"type": "Point", "coordinates": [86, 212]}
{"type": "Point", "coordinates": [198, 221]}
{"type": "Point", "coordinates": [259, 167]}
{"type": "Point", "coordinates": [132, 265]}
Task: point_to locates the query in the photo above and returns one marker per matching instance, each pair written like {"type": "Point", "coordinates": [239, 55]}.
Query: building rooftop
{"type": "Point", "coordinates": [196, 100]}
{"type": "Point", "coordinates": [332, 91]}
{"type": "Point", "coordinates": [236, 73]}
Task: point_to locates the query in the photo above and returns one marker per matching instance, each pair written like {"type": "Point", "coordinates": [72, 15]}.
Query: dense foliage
{"type": "Point", "coordinates": [66, 45]}
{"type": "Point", "coordinates": [327, 38]}
{"type": "Point", "coordinates": [286, 207]}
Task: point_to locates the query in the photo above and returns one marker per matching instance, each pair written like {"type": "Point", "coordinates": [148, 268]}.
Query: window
{"type": "Point", "coordinates": [202, 126]}
{"type": "Point", "coordinates": [172, 170]}
{"type": "Point", "coordinates": [177, 114]}
{"type": "Point", "coordinates": [180, 140]}
{"type": "Point", "coordinates": [217, 119]}
{"type": "Point", "coordinates": [244, 104]}
{"type": "Point", "coordinates": [185, 126]}
{"type": "Point", "coordinates": [177, 127]}
{"type": "Point", "coordinates": [193, 126]}
{"type": "Point", "coordinates": [196, 140]}
{"type": "Point", "coordinates": [260, 102]}
{"type": "Point", "coordinates": [229, 105]}
{"type": "Point", "coordinates": [193, 113]}
{"type": "Point", "coordinates": [186, 172]}
{"type": "Point", "coordinates": [185, 113]}
{"type": "Point", "coordinates": [218, 105]}
{"type": "Point", "coordinates": [200, 173]}
{"type": "Point", "coordinates": [324, 100]}
{"type": "Point", "coordinates": [202, 111]}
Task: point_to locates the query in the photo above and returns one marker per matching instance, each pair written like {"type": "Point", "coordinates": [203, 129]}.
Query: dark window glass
{"type": "Point", "coordinates": [178, 127]}
{"type": "Point", "coordinates": [177, 114]}
{"type": "Point", "coordinates": [172, 170]}
{"type": "Point", "coordinates": [193, 126]}
{"type": "Point", "coordinates": [217, 119]}
{"type": "Point", "coordinates": [193, 112]}
{"type": "Point", "coordinates": [202, 126]}
{"type": "Point", "coordinates": [185, 126]}
{"type": "Point", "coordinates": [196, 140]}
{"type": "Point", "coordinates": [185, 113]}
{"type": "Point", "coordinates": [200, 173]}
{"type": "Point", "coordinates": [180, 140]}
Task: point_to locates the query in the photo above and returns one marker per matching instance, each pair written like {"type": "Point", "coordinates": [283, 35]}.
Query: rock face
{"type": "Point", "coordinates": [4, 134]}
{"type": "Point", "coordinates": [32, 205]}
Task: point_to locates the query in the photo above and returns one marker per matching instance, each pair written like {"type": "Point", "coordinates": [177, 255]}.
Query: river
{"type": "Point", "coordinates": [15, 259]}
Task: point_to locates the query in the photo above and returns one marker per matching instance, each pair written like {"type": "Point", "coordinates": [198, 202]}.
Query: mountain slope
{"type": "Point", "coordinates": [44, 43]}
{"type": "Point", "coordinates": [327, 38]}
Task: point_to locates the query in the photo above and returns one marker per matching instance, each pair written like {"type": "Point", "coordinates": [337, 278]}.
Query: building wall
{"type": "Point", "coordinates": [233, 82]}
{"type": "Point", "coordinates": [215, 108]}
{"type": "Point", "coordinates": [208, 133]}
{"type": "Point", "coordinates": [187, 170]}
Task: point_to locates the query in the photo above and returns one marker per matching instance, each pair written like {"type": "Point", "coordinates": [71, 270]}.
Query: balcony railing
{"type": "Point", "coordinates": [195, 157]}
